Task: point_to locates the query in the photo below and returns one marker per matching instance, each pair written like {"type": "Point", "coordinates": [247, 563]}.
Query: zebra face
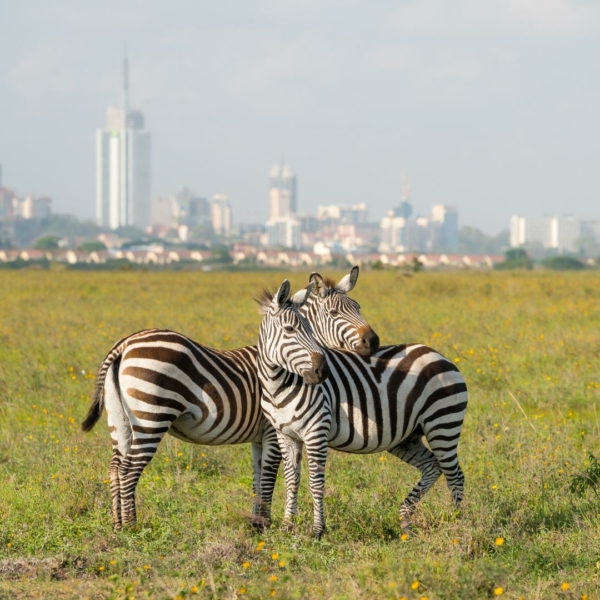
{"type": "Point", "coordinates": [336, 317]}
{"type": "Point", "coordinates": [286, 340]}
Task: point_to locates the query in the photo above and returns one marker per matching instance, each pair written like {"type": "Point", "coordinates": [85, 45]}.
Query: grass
{"type": "Point", "coordinates": [523, 531]}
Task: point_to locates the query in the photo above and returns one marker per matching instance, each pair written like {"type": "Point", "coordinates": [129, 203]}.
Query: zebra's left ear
{"type": "Point", "coordinates": [319, 283]}
{"type": "Point", "coordinates": [283, 294]}
{"type": "Point", "coordinates": [348, 282]}
{"type": "Point", "coordinates": [299, 298]}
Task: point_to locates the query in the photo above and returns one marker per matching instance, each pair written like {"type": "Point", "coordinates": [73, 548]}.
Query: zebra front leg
{"type": "Point", "coordinates": [414, 452]}
{"type": "Point", "coordinates": [316, 450]}
{"type": "Point", "coordinates": [291, 450]}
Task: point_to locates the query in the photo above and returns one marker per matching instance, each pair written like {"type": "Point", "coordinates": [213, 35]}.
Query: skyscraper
{"type": "Point", "coordinates": [221, 215]}
{"type": "Point", "coordinates": [282, 191]}
{"type": "Point", "coordinates": [123, 166]}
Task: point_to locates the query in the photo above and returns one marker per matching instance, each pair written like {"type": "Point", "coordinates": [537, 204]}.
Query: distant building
{"type": "Point", "coordinates": [284, 232]}
{"type": "Point", "coordinates": [436, 234]}
{"type": "Point", "coordinates": [123, 167]}
{"type": "Point", "coordinates": [447, 217]}
{"type": "Point", "coordinates": [558, 233]}
{"type": "Point", "coordinates": [282, 191]}
{"type": "Point", "coordinates": [162, 210]}
{"type": "Point", "coordinates": [340, 214]}
{"type": "Point", "coordinates": [221, 215]}
{"type": "Point", "coordinates": [31, 207]}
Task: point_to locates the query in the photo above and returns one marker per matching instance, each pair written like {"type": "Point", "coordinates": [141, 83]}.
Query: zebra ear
{"type": "Point", "coordinates": [348, 282]}
{"type": "Point", "coordinates": [320, 287]}
{"type": "Point", "coordinates": [299, 298]}
{"type": "Point", "coordinates": [283, 294]}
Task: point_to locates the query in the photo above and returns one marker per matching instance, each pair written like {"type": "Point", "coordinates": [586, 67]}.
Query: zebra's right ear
{"type": "Point", "coordinates": [317, 280]}
{"type": "Point", "coordinates": [283, 294]}
{"type": "Point", "coordinates": [299, 298]}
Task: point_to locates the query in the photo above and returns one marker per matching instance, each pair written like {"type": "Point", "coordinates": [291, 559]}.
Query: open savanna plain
{"type": "Point", "coordinates": [527, 341]}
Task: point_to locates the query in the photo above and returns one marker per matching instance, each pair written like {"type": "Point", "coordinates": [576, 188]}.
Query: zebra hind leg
{"type": "Point", "coordinates": [115, 489]}
{"type": "Point", "coordinates": [257, 519]}
{"type": "Point", "coordinates": [447, 458]}
{"type": "Point", "coordinates": [143, 448]}
{"type": "Point", "coordinates": [270, 459]}
{"type": "Point", "coordinates": [414, 452]}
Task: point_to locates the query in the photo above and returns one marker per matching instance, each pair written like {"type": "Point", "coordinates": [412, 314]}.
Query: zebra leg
{"type": "Point", "coordinates": [115, 489]}
{"type": "Point", "coordinates": [414, 452]}
{"type": "Point", "coordinates": [130, 471]}
{"type": "Point", "coordinates": [271, 459]}
{"type": "Point", "coordinates": [316, 450]}
{"type": "Point", "coordinates": [291, 450]}
{"type": "Point", "coordinates": [447, 458]}
{"type": "Point", "coordinates": [256, 519]}
{"type": "Point", "coordinates": [120, 435]}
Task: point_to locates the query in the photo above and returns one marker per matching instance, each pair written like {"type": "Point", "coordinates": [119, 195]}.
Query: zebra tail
{"type": "Point", "coordinates": [97, 406]}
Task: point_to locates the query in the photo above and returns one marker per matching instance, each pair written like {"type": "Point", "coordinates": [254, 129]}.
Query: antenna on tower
{"type": "Point", "coordinates": [125, 86]}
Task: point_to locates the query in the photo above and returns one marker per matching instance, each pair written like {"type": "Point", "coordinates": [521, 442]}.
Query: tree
{"type": "Point", "coordinates": [47, 242]}
{"type": "Point", "coordinates": [92, 246]}
{"type": "Point", "coordinates": [515, 258]}
{"type": "Point", "coordinates": [563, 263]}
{"type": "Point", "coordinates": [473, 241]}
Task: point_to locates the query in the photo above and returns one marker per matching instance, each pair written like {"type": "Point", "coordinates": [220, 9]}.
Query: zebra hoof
{"type": "Point", "coordinates": [317, 535]}
{"type": "Point", "coordinates": [260, 523]}
{"type": "Point", "coordinates": [288, 527]}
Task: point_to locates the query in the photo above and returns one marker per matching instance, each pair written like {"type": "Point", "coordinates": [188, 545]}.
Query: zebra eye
{"type": "Point", "coordinates": [334, 313]}
{"type": "Point", "coordinates": [289, 329]}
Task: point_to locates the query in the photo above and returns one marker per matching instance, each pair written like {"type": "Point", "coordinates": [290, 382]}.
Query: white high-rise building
{"type": "Point", "coordinates": [447, 217]}
{"type": "Point", "coordinates": [123, 166]}
{"type": "Point", "coordinates": [282, 192]}
{"type": "Point", "coordinates": [284, 232]}
{"type": "Point", "coordinates": [560, 233]}
{"type": "Point", "coordinates": [221, 215]}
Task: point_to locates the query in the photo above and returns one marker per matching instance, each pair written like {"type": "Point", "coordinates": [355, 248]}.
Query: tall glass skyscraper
{"type": "Point", "coordinates": [123, 166]}
{"type": "Point", "coordinates": [282, 191]}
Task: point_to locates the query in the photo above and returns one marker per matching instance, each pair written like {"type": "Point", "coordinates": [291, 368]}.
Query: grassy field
{"type": "Point", "coordinates": [531, 337]}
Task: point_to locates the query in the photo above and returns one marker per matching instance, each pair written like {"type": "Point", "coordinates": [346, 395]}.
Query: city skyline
{"type": "Point", "coordinates": [464, 95]}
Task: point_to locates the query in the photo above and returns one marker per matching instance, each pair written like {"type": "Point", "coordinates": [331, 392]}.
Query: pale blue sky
{"type": "Point", "coordinates": [493, 106]}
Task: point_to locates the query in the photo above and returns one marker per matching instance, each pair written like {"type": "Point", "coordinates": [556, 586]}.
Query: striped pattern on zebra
{"type": "Point", "coordinates": [158, 381]}
{"type": "Point", "coordinates": [387, 402]}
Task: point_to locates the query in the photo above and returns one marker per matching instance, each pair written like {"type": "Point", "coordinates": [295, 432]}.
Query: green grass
{"type": "Point", "coordinates": [533, 335]}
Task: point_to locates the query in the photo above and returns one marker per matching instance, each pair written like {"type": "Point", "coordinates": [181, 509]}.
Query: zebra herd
{"type": "Point", "coordinates": [317, 378]}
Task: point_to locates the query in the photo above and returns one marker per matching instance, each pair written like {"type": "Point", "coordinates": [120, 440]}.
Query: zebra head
{"type": "Point", "coordinates": [286, 341]}
{"type": "Point", "coordinates": [336, 318]}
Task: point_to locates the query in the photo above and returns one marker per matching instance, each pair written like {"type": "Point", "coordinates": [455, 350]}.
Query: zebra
{"type": "Point", "coordinates": [158, 381]}
{"type": "Point", "coordinates": [387, 402]}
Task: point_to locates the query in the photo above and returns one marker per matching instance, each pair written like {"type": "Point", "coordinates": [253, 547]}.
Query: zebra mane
{"type": "Point", "coordinates": [264, 299]}
{"type": "Point", "coordinates": [329, 283]}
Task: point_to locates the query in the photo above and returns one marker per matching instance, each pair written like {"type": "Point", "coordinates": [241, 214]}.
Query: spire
{"type": "Point", "coordinates": [125, 86]}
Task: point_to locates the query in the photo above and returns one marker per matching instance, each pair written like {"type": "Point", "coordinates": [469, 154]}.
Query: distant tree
{"type": "Point", "coordinates": [131, 232]}
{"type": "Point", "coordinates": [47, 242]}
{"type": "Point", "coordinates": [474, 241]}
{"type": "Point", "coordinates": [515, 258]}
{"type": "Point", "coordinates": [221, 254]}
{"type": "Point", "coordinates": [92, 246]}
{"type": "Point", "coordinates": [563, 263]}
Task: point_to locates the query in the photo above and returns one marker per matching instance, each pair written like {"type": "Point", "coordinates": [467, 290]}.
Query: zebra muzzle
{"type": "Point", "coordinates": [319, 371]}
{"type": "Point", "coordinates": [368, 343]}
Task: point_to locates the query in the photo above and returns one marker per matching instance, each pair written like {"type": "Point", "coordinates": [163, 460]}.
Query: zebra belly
{"type": "Point", "coordinates": [188, 428]}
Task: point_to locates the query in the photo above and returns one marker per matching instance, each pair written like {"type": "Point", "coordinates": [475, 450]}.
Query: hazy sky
{"type": "Point", "coordinates": [492, 106]}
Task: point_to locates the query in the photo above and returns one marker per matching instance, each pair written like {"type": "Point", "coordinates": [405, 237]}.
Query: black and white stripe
{"type": "Point", "coordinates": [159, 381]}
{"type": "Point", "coordinates": [388, 402]}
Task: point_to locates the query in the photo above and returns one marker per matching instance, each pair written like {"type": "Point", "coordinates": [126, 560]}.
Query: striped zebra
{"type": "Point", "coordinates": [387, 402]}
{"type": "Point", "coordinates": [158, 381]}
